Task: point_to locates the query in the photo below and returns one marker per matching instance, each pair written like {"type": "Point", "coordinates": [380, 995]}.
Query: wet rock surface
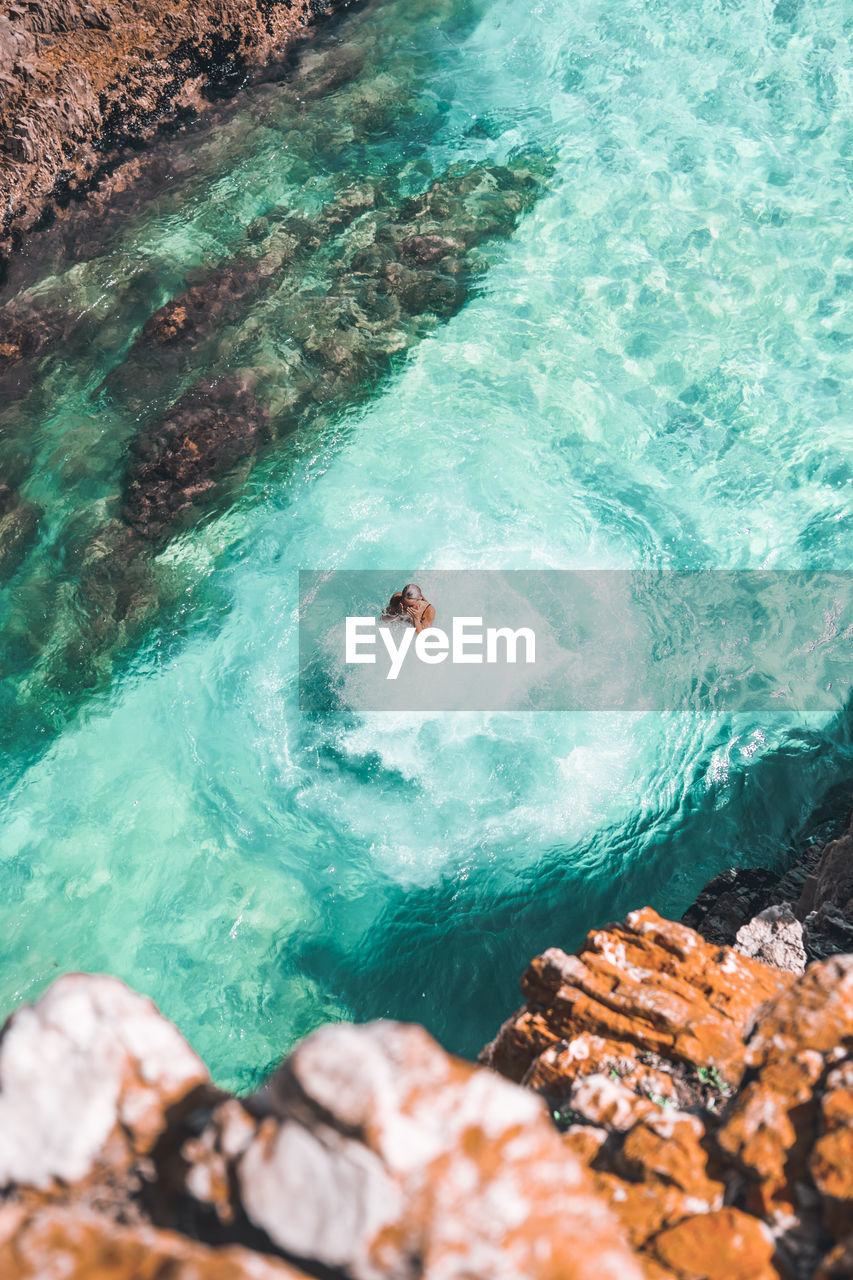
{"type": "Point", "coordinates": [825, 905]}
{"type": "Point", "coordinates": [806, 913]}
{"type": "Point", "coordinates": [81, 80]}
{"type": "Point", "coordinates": [729, 901]}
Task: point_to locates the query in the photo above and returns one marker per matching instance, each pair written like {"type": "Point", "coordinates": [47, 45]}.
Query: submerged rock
{"type": "Point", "coordinates": [181, 460]}
{"type": "Point", "coordinates": [19, 521]}
{"type": "Point", "coordinates": [409, 266]}
{"type": "Point", "coordinates": [80, 81]}
{"type": "Point", "coordinates": [298, 326]}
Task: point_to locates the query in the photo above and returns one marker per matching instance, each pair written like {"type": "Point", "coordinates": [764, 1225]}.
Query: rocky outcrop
{"type": "Point", "coordinates": [77, 1244]}
{"type": "Point", "coordinates": [825, 905]}
{"type": "Point", "coordinates": [83, 80]}
{"type": "Point", "coordinates": [87, 1077]}
{"type": "Point", "coordinates": [703, 1109]}
{"type": "Point", "coordinates": [646, 987]}
{"type": "Point", "coordinates": [730, 901]}
{"type": "Point", "coordinates": [708, 1093]}
{"type": "Point", "coordinates": [370, 1153]}
{"type": "Point", "coordinates": [774, 936]}
{"type": "Point", "coordinates": [804, 914]}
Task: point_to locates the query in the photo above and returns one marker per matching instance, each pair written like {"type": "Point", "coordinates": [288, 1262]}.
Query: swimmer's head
{"type": "Point", "coordinates": [411, 592]}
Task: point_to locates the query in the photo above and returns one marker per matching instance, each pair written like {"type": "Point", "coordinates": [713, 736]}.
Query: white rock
{"type": "Point", "coordinates": [89, 1056]}
{"type": "Point", "coordinates": [383, 1156]}
{"type": "Point", "coordinates": [775, 936]}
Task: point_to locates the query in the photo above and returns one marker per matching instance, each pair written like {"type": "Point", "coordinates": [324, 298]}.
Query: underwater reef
{"type": "Point", "coordinates": [352, 289]}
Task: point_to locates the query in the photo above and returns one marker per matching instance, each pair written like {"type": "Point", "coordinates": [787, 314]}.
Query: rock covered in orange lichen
{"type": "Point", "coordinates": [772, 1125]}
{"type": "Point", "coordinates": [831, 1160]}
{"type": "Point", "coordinates": [653, 1164]}
{"type": "Point", "coordinates": [58, 1244]}
{"type": "Point", "coordinates": [645, 986]}
{"type": "Point", "coordinates": [753, 1177]}
{"type": "Point", "coordinates": [371, 1152]}
{"type": "Point", "coordinates": [406, 1162]}
{"type": "Point", "coordinates": [724, 1245]}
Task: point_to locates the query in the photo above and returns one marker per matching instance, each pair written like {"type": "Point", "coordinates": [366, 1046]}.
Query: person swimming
{"type": "Point", "coordinates": [410, 607]}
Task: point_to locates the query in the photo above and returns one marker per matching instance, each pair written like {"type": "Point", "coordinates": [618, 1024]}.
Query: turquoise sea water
{"type": "Point", "coordinates": [652, 371]}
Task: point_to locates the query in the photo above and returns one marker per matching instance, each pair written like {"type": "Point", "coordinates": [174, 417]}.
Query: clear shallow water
{"type": "Point", "coordinates": [654, 371]}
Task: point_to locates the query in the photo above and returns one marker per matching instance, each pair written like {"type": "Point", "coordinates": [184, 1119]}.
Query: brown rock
{"type": "Point", "coordinates": [726, 1245]}
{"type": "Point", "coordinates": [645, 985]}
{"type": "Point", "coordinates": [832, 879]}
{"type": "Point", "coordinates": [728, 901]}
{"type": "Point", "coordinates": [405, 1162]}
{"type": "Point", "coordinates": [78, 83]}
{"type": "Point", "coordinates": [60, 1244]}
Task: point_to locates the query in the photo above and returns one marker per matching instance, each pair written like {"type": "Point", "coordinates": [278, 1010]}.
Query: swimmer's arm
{"type": "Point", "coordinates": [427, 618]}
